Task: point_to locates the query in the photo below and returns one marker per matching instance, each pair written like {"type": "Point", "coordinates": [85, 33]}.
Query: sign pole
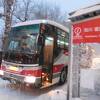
{"type": "Point", "coordinates": [69, 87]}
{"type": "Point", "coordinates": [73, 70]}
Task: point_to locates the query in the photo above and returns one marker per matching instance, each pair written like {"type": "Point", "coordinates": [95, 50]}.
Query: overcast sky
{"type": "Point", "coordinates": [71, 5]}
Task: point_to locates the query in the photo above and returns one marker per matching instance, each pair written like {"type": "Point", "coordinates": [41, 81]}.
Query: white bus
{"type": "Point", "coordinates": [36, 53]}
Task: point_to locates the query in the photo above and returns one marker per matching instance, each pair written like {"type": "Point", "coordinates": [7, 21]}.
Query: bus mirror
{"type": "Point", "coordinates": [40, 40]}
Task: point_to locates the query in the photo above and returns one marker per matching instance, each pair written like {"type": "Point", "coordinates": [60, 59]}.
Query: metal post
{"type": "Point", "coordinates": [73, 90]}
{"type": "Point", "coordinates": [69, 87]}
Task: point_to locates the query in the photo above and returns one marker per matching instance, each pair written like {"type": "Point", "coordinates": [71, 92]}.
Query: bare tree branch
{"type": "Point", "coordinates": [19, 18]}
{"type": "Point", "coordinates": [23, 10]}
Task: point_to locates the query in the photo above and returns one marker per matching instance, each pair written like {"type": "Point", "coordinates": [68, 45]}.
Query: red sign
{"type": "Point", "coordinates": [87, 31]}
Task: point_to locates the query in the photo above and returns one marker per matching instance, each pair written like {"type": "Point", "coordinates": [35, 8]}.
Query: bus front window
{"type": "Point", "coordinates": [22, 42]}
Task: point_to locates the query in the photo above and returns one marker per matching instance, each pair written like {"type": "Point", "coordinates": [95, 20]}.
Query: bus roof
{"type": "Point", "coordinates": [40, 22]}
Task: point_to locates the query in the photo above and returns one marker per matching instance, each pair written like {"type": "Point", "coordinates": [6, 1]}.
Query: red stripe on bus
{"type": "Point", "coordinates": [2, 67]}
{"type": "Point", "coordinates": [57, 68]}
{"type": "Point", "coordinates": [36, 73]}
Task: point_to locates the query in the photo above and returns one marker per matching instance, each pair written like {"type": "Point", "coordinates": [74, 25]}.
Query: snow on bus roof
{"type": "Point", "coordinates": [85, 10]}
{"type": "Point", "coordinates": [42, 21]}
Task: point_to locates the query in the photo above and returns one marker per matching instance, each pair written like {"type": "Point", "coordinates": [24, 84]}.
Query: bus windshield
{"type": "Point", "coordinates": [23, 38]}
{"type": "Point", "coordinates": [21, 46]}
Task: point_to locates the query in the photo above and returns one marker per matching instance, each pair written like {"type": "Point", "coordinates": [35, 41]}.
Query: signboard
{"type": "Point", "coordinates": [87, 31]}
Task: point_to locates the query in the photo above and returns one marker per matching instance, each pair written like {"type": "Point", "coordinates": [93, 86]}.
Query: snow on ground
{"type": "Point", "coordinates": [96, 62]}
{"type": "Point", "coordinates": [11, 93]}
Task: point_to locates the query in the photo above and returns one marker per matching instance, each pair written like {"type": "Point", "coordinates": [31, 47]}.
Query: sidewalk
{"type": "Point", "coordinates": [88, 94]}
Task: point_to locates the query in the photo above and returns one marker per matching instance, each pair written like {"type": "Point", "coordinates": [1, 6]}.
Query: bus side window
{"type": "Point", "coordinates": [62, 41]}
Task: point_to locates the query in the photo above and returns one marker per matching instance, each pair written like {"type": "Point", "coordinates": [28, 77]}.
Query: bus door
{"type": "Point", "coordinates": [47, 68]}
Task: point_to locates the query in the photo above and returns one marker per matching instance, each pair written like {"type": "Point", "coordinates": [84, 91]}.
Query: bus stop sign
{"type": "Point", "coordinates": [87, 31]}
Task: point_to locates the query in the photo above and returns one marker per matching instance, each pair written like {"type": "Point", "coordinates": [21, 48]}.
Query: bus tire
{"type": "Point", "coordinates": [63, 76]}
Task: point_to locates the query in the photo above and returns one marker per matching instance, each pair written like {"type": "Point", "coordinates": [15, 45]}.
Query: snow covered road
{"type": "Point", "coordinates": [12, 93]}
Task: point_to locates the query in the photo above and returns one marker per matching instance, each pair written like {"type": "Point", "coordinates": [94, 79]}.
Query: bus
{"type": "Point", "coordinates": [36, 53]}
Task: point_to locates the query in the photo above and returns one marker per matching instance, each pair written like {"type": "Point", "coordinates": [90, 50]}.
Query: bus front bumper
{"type": "Point", "coordinates": [20, 78]}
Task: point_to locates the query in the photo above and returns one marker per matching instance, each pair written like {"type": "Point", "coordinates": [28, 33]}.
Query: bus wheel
{"type": "Point", "coordinates": [63, 76]}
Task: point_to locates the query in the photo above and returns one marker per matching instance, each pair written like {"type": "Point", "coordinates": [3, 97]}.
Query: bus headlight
{"type": "Point", "coordinates": [29, 79]}
{"type": "Point", "coordinates": [1, 72]}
